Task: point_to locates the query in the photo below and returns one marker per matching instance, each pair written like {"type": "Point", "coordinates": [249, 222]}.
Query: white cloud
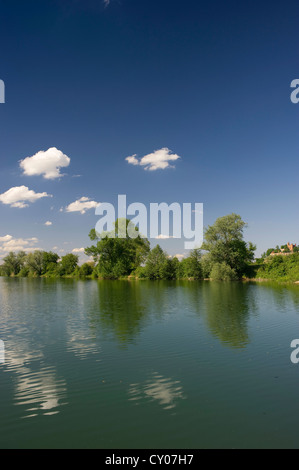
{"type": "Point", "coordinates": [78, 250]}
{"type": "Point", "coordinates": [6, 238]}
{"type": "Point", "coordinates": [48, 223]}
{"type": "Point", "coordinates": [158, 160]}
{"type": "Point", "coordinates": [163, 237]}
{"type": "Point", "coordinates": [179, 256]}
{"type": "Point", "coordinates": [133, 160]}
{"type": "Point", "coordinates": [46, 163]}
{"type": "Point", "coordinates": [9, 243]}
{"type": "Point", "coordinates": [19, 195]}
{"type": "Point", "coordinates": [81, 205]}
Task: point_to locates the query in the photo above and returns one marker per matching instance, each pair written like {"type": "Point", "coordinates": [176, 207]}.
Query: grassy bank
{"type": "Point", "coordinates": [278, 268]}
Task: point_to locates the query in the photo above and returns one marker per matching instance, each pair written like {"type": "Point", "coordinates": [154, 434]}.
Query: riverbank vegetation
{"type": "Point", "coordinates": [280, 268]}
{"type": "Point", "coordinates": [224, 255]}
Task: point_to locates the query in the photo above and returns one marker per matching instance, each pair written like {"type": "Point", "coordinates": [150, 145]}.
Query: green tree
{"type": "Point", "coordinates": [86, 269]}
{"type": "Point", "coordinates": [50, 261]}
{"type": "Point", "coordinates": [225, 244]}
{"type": "Point", "coordinates": [68, 264]}
{"type": "Point", "coordinates": [156, 263]}
{"type": "Point", "coordinates": [223, 272]}
{"type": "Point", "coordinates": [119, 255]}
{"type": "Point", "coordinates": [192, 265]}
{"type": "Point", "coordinates": [35, 262]}
{"type": "Point", "coordinates": [168, 269]}
{"type": "Point", "coordinates": [13, 263]}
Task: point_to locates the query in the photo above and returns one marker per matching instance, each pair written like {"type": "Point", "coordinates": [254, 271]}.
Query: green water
{"type": "Point", "coordinates": [117, 364]}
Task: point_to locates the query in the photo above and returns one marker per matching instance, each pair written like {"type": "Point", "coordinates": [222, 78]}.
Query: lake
{"type": "Point", "coordinates": [148, 364]}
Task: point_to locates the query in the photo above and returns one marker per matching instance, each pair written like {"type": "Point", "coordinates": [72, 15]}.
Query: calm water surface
{"type": "Point", "coordinates": [148, 364]}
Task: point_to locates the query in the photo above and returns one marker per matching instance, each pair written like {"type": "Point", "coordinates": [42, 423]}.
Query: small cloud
{"type": "Point", "coordinates": [81, 205]}
{"type": "Point", "coordinates": [179, 256]}
{"type": "Point", "coordinates": [163, 237]}
{"type": "Point", "coordinates": [133, 160]}
{"type": "Point", "coordinates": [9, 243]}
{"type": "Point", "coordinates": [48, 223]}
{"type": "Point", "coordinates": [18, 196]}
{"type": "Point", "coordinates": [55, 248]}
{"type": "Point", "coordinates": [46, 163]}
{"type": "Point", "coordinates": [158, 160]}
{"type": "Point", "coordinates": [78, 250]}
{"type": "Point", "coordinates": [6, 238]}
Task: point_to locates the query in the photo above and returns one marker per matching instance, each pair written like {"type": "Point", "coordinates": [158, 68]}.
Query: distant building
{"type": "Point", "coordinates": [290, 246]}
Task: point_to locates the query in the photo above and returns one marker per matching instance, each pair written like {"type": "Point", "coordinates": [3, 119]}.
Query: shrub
{"type": "Point", "coordinates": [223, 272]}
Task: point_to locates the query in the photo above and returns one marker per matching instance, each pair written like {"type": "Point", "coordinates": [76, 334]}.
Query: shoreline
{"type": "Point", "coordinates": [133, 278]}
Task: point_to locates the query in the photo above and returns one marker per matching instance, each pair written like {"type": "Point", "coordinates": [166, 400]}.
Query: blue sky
{"type": "Point", "coordinates": [101, 81]}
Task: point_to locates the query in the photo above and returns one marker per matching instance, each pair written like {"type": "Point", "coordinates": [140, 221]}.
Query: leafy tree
{"type": "Point", "coordinates": [192, 265]}
{"type": "Point", "coordinates": [50, 260]}
{"type": "Point", "coordinates": [119, 255]}
{"type": "Point", "coordinates": [224, 243]}
{"type": "Point", "coordinates": [86, 269]}
{"type": "Point", "coordinates": [68, 264]}
{"type": "Point", "coordinates": [168, 269]}
{"type": "Point", "coordinates": [35, 262]}
{"type": "Point", "coordinates": [176, 266]}
{"type": "Point", "coordinates": [206, 265]}
{"type": "Point", "coordinates": [223, 272]}
{"type": "Point", "coordinates": [156, 263]}
{"type": "Point", "coordinates": [13, 263]}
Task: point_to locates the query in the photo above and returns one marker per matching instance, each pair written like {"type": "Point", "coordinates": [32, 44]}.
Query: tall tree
{"type": "Point", "coordinates": [13, 263]}
{"type": "Point", "coordinates": [225, 244]}
{"type": "Point", "coordinates": [35, 262]}
{"type": "Point", "coordinates": [156, 264]}
{"type": "Point", "coordinates": [68, 264]}
{"type": "Point", "coordinates": [119, 255]}
{"type": "Point", "coordinates": [192, 265]}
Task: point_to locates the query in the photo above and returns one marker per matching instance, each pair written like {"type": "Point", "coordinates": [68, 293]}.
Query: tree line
{"type": "Point", "coordinates": [224, 255]}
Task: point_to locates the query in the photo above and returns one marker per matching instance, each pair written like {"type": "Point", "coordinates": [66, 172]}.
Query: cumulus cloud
{"type": "Point", "coordinates": [179, 256]}
{"type": "Point", "coordinates": [46, 163]}
{"type": "Point", "coordinates": [19, 195]}
{"type": "Point", "coordinates": [81, 205]}
{"type": "Point", "coordinates": [163, 237]}
{"type": "Point", "coordinates": [78, 250]}
{"type": "Point", "coordinates": [9, 243]}
{"type": "Point", "coordinates": [6, 238]}
{"type": "Point", "coordinates": [133, 160]}
{"type": "Point", "coordinates": [158, 160]}
{"type": "Point", "coordinates": [48, 223]}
